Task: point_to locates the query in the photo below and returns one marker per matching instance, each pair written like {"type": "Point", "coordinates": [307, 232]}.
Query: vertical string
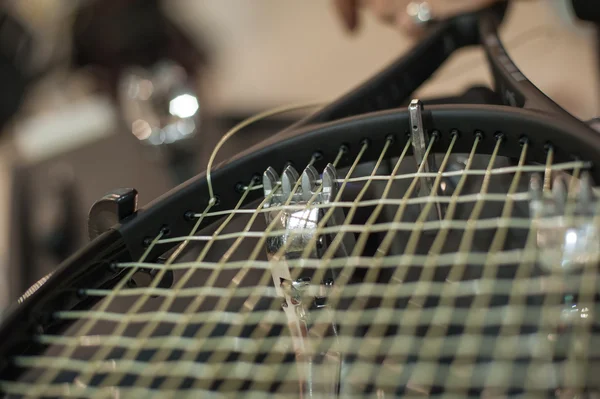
{"type": "Point", "coordinates": [150, 327]}
{"type": "Point", "coordinates": [477, 318]}
{"type": "Point", "coordinates": [426, 273]}
{"type": "Point", "coordinates": [223, 301]}
{"type": "Point", "coordinates": [259, 333]}
{"type": "Point", "coordinates": [50, 374]}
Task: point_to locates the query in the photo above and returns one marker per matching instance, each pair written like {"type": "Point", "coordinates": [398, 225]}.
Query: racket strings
{"type": "Point", "coordinates": [459, 305]}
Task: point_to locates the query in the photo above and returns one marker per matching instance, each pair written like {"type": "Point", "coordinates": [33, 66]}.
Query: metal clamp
{"type": "Point", "coordinates": [420, 141]}
{"type": "Point", "coordinates": [295, 213]}
{"type": "Point", "coordinates": [566, 235]}
{"type": "Point", "coordinates": [299, 226]}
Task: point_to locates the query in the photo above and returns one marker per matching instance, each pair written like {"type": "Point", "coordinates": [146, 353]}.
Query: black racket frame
{"type": "Point", "coordinates": [370, 112]}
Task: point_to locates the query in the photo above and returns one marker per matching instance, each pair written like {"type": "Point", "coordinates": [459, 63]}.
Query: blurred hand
{"type": "Point", "coordinates": [396, 12]}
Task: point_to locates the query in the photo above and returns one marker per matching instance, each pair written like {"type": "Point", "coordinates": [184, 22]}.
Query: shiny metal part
{"type": "Point", "coordinates": [297, 215]}
{"type": "Point", "coordinates": [567, 237]}
{"type": "Point", "coordinates": [294, 202]}
{"type": "Point", "coordinates": [420, 141]}
{"type": "Point", "coordinates": [320, 373]}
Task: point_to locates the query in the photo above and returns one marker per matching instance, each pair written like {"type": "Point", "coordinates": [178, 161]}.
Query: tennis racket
{"type": "Point", "coordinates": [381, 247]}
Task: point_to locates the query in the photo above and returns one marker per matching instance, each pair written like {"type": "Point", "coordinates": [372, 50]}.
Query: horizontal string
{"type": "Point", "coordinates": [475, 172]}
{"type": "Point", "coordinates": [538, 285]}
{"type": "Point", "coordinates": [78, 391]}
{"type": "Point", "coordinates": [481, 224]}
{"type": "Point", "coordinates": [507, 257]}
{"type": "Point", "coordinates": [465, 198]}
{"type": "Point", "coordinates": [358, 372]}
{"type": "Point", "coordinates": [411, 316]}
{"type": "Point", "coordinates": [535, 345]}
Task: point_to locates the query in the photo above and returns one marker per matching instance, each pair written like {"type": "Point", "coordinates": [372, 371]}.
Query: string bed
{"type": "Point", "coordinates": [464, 306]}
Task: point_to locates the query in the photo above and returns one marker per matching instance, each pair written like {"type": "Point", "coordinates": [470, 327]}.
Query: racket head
{"type": "Point", "coordinates": [67, 301]}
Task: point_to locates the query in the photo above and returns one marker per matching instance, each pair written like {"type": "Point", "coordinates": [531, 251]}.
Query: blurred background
{"type": "Point", "coordinates": [100, 94]}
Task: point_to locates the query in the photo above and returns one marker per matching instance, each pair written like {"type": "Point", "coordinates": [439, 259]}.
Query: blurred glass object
{"type": "Point", "coordinates": [159, 105]}
{"type": "Point", "coordinates": [566, 233]}
{"type": "Point", "coordinates": [153, 71]}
